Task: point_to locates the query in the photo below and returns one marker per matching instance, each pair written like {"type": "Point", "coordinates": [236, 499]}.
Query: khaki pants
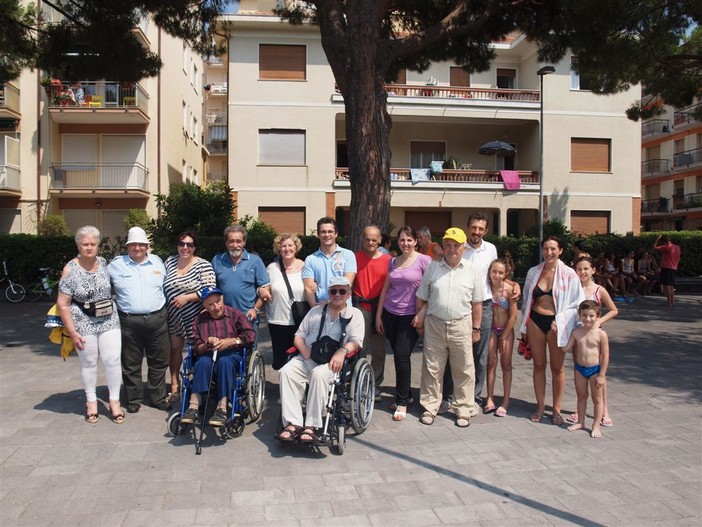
{"type": "Point", "coordinates": [294, 377]}
{"type": "Point", "coordinates": [448, 341]}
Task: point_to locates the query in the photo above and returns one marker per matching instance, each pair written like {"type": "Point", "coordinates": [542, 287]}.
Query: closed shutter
{"type": "Point", "coordinates": [282, 62]}
{"type": "Point", "coordinates": [284, 219]}
{"type": "Point", "coordinates": [281, 147]}
{"type": "Point", "coordinates": [401, 77]}
{"type": "Point", "coordinates": [590, 155]}
{"type": "Point", "coordinates": [437, 221]}
{"type": "Point", "coordinates": [459, 77]}
{"type": "Point", "coordinates": [589, 221]}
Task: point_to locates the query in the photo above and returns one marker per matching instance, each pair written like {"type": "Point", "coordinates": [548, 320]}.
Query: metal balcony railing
{"type": "Point", "coordinates": [102, 176]}
{"type": "Point", "coordinates": [688, 157]}
{"type": "Point", "coordinates": [655, 126]}
{"type": "Point", "coordinates": [10, 177]}
{"type": "Point", "coordinates": [218, 148]}
{"type": "Point", "coordinates": [688, 201]}
{"type": "Point", "coordinates": [651, 206]}
{"type": "Point", "coordinates": [97, 94]}
{"type": "Point", "coordinates": [449, 176]}
{"type": "Point", "coordinates": [655, 166]}
{"type": "Point", "coordinates": [687, 115]}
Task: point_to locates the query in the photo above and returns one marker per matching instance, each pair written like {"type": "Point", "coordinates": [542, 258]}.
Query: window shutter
{"type": "Point", "coordinates": [590, 155]}
{"type": "Point", "coordinates": [282, 62]}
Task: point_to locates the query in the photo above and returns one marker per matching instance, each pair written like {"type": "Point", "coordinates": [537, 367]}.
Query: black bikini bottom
{"type": "Point", "coordinates": [543, 322]}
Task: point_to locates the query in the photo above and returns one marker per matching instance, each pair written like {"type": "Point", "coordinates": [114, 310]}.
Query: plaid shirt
{"type": "Point", "coordinates": [232, 324]}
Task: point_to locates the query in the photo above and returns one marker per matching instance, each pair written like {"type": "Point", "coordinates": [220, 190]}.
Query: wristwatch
{"type": "Point", "coordinates": [476, 330]}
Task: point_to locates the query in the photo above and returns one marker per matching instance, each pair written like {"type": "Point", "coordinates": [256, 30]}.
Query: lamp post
{"type": "Point", "coordinates": [545, 70]}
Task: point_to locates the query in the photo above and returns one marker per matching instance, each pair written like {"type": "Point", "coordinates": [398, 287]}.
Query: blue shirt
{"type": "Point", "coordinates": [240, 282]}
{"type": "Point", "coordinates": [138, 287]}
{"type": "Point", "coordinates": [321, 268]}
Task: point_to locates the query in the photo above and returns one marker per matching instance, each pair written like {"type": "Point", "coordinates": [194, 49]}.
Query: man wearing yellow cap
{"type": "Point", "coordinates": [449, 311]}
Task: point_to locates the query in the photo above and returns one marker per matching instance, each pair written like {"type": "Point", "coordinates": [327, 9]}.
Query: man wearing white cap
{"type": "Point", "coordinates": [137, 279]}
{"type": "Point", "coordinates": [449, 310]}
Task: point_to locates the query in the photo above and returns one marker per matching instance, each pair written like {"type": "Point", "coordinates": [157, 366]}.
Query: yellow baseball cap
{"type": "Point", "coordinates": [455, 234]}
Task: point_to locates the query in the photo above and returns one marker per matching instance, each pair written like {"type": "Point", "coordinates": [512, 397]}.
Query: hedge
{"type": "Point", "coordinates": [25, 253]}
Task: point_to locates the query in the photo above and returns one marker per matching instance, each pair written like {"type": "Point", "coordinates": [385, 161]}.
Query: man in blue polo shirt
{"type": "Point", "coordinates": [241, 275]}
{"type": "Point", "coordinates": [327, 262]}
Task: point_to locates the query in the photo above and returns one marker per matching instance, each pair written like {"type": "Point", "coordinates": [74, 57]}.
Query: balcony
{"type": "Point", "coordinates": [214, 61]}
{"type": "Point", "coordinates": [101, 102]}
{"type": "Point", "coordinates": [10, 180]}
{"type": "Point", "coordinates": [655, 127]}
{"type": "Point", "coordinates": [687, 158]}
{"type": "Point", "coordinates": [460, 178]}
{"type": "Point", "coordinates": [216, 176]}
{"type": "Point", "coordinates": [9, 102]}
{"type": "Point", "coordinates": [218, 148]}
{"type": "Point", "coordinates": [654, 206]}
{"type": "Point", "coordinates": [655, 166]}
{"type": "Point", "coordinates": [104, 178]}
{"type": "Point", "coordinates": [689, 114]}
{"type": "Point", "coordinates": [688, 201]}
{"type": "Point", "coordinates": [217, 89]}
{"type": "Point", "coordinates": [216, 118]}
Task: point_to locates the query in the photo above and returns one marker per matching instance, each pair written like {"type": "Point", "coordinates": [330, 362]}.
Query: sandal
{"type": "Point", "coordinates": [500, 412]}
{"type": "Point", "coordinates": [557, 419]}
{"type": "Point", "coordinates": [310, 433]}
{"type": "Point", "coordinates": [606, 421]}
{"type": "Point", "coordinates": [173, 397]}
{"type": "Point", "coordinates": [291, 431]}
{"type": "Point", "coordinates": [400, 413]}
{"type": "Point", "coordinates": [427, 418]}
{"type": "Point", "coordinates": [489, 408]}
{"type": "Point", "coordinates": [92, 418]}
{"type": "Point", "coordinates": [537, 416]}
{"type": "Point", "coordinates": [572, 418]}
{"type": "Point", "coordinates": [117, 419]}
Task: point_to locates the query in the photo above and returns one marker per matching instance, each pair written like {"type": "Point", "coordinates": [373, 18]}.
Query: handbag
{"type": "Point", "coordinates": [299, 308]}
{"type": "Point", "coordinates": [324, 347]}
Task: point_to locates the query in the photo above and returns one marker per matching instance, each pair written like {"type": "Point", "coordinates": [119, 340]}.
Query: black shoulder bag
{"type": "Point", "coordinates": [324, 347]}
{"type": "Point", "coordinates": [299, 308]}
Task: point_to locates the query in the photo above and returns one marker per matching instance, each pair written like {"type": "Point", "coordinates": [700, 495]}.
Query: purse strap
{"type": "Point", "coordinates": [344, 323]}
{"type": "Point", "coordinates": [287, 282]}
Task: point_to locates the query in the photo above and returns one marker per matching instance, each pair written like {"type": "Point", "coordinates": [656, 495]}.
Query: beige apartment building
{"type": "Point", "coordinates": [671, 170]}
{"type": "Point", "coordinates": [287, 151]}
{"type": "Point", "coordinates": [91, 149]}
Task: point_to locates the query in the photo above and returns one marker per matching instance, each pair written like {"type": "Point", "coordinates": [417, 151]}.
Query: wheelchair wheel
{"type": "Point", "coordinates": [235, 427]}
{"type": "Point", "coordinates": [362, 395]}
{"type": "Point", "coordinates": [340, 442]}
{"type": "Point", "coordinates": [255, 386]}
{"type": "Point", "coordinates": [175, 427]}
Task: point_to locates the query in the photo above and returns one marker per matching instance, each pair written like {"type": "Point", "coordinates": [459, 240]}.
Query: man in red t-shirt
{"type": "Point", "coordinates": [670, 257]}
{"type": "Point", "coordinates": [372, 269]}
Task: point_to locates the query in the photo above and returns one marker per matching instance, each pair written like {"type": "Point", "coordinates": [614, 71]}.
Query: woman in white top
{"type": "Point", "coordinates": [278, 314]}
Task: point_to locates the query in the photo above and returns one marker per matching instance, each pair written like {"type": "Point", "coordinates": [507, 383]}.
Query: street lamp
{"type": "Point", "coordinates": [545, 70]}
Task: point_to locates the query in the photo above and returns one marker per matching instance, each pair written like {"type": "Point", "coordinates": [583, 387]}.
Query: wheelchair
{"type": "Point", "coordinates": [245, 403]}
{"type": "Point", "coordinates": [350, 402]}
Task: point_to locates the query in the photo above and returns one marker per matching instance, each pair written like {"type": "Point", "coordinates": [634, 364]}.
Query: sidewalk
{"type": "Point", "coordinates": [647, 470]}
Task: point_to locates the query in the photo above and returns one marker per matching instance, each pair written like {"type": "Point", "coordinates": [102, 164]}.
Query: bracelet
{"type": "Point", "coordinates": [347, 350]}
{"type": "Point", "coordinates": [476, 330]}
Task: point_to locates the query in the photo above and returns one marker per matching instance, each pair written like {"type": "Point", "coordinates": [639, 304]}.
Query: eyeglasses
{"type": "Point", "coordinates": [186, 244]}
{"type": "Point", "coordinates": [335, 291]}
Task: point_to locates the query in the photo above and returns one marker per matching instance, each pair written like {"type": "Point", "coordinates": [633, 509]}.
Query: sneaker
{"type": "Point", "coordinates": [190, 416]}
{"type": "Point", "coordinates": [444, 406]}
{"type": "Point", "coordinates": [219, 418]}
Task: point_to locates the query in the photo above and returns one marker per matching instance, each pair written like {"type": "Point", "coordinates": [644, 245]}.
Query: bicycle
{"type": "Point", "coordinates": [14, 292]}
{"type": "Point", "coordinates": [44, 286]}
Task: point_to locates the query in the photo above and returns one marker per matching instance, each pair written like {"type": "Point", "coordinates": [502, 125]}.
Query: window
{"type": "Point", "coordinates": [589, 221]}
{"type": "Point", "coordinates": [679, 187]}
{"type": "Point", "coordinates": [284, 219]}
{"type": "Point", "coordinates": [422, 153]}
{"type": "Point", "coordinates": [281, 147]}
{"type": "Point", "coordinates": [185, 116]}
{"type": "Point", "coordinates": [580, 80]}
{"type": "Point", "coordinates": [194, 80]}
{"type": "Point", "coordinates": [282, 62]}
{"type": "Point", "coordinates": [459, 77]}
{"type": "Point", "coordinates": [590, 155]}
{"type": "Point", "coordinates": [401, 77]}
{"type": "Point", "coordinates": [195, 131]}
{"type": "Point", "coordinates": [506, 78]}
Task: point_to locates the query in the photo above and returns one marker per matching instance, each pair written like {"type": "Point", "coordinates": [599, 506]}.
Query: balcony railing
{"type": "Point", "coordinates": [216, 176]}
{"type": "Point", "coordinates": [99, 176]}
{"type": "Point", "coordinates": [217, 149]}
{"type": "Point", "coordinates": [217, 89]}
{"type": "Point", "coordinates": [651, 206]}
{"type": "Point", "coordinates": [688, 157]}
{"type": "Point", "coordinates": [214, 61]}
{"type": "Point", "coordinates": [655, 166]}
{"type": "Point", "coordinates": [655, 126]}
{"type": "Point", "coordinates": [97, 94]}
{"type": "Point", "coordinates": [688, 201]}
{"type": "Point", "coordinates": [9, 177]}
{"type": "Point", "coordinates": [216, 118]}
{"type": "Point", "coordinates": [687, 114]}
{"type": "Point", "coordinates": [10, 97]}
{"type": "Point", "coordinates": [454, 92]}
{"type": "Point", "coordinates": [449, 176]}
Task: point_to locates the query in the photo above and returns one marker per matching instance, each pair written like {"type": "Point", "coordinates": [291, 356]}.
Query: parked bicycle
{"type": "Point", "coordinates": [14, 292]}
{"type": "Point", "coordinates": [44, 286]}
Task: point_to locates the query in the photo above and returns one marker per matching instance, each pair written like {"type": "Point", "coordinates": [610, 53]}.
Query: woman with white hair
{"type": "Point", "coordinates": [90, 319]}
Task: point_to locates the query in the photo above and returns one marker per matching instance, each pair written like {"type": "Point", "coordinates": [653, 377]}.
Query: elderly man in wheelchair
{"type": "Point", "coordinates": [326, 337]}
{"type": "Point", "coordinates": [225, 331]}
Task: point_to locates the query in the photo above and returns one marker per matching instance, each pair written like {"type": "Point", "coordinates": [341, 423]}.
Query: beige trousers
{"type": "Point", "coordinates": [294, 377]}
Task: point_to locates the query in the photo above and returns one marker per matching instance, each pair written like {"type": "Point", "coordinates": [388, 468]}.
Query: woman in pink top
{"type": "Point", "coordinates": [396, 320]}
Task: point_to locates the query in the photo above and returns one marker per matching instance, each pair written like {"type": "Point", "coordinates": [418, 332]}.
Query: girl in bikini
{"type": "Point", "coordinates": [504, 315]}
{"type": "Point", "coordinates": [585, 268]}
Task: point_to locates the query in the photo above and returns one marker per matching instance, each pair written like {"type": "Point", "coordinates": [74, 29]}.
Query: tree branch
{"type": "Point", "coordinates": [64, 13]}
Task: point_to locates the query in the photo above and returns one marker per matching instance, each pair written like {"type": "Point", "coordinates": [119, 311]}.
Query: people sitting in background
{"type": "Point", "coordinates": [648, 268]}
{"type": "Point", "coordinates": [627, 269]}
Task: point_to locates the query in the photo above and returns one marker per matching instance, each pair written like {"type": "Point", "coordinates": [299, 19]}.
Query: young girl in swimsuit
{"type": "Point", "coordinates": [585, 268]}
{"type": "Point", "coordinates": [504, 315]}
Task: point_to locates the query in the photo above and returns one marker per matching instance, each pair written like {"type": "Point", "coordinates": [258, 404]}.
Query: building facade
{"type": "Point", "coordinates": [287, 149]}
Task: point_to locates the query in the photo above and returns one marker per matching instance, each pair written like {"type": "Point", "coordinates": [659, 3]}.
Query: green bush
{"type": "Point", "coordinates": [25, 253]}
{"type": "Point", "coordinates": [53, 225]}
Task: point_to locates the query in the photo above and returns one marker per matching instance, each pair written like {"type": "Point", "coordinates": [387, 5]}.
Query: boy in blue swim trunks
{"type": "Point", "coordinates": [590, 346]}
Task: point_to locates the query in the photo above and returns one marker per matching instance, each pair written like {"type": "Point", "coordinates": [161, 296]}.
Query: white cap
{"type": "Point", "coordinates": [137, 235]}
{"type": "Point", "coordinates": [339, 280]}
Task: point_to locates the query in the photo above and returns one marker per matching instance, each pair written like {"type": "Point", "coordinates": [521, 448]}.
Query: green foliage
{"type": "Point", "coordinates": [551, 228]}
{"type": "Point", "coordinates": [21, 250]}
{"type": "Point", "coordinates": [16, 40]}
{"type": "Point", "coordinates": [137, 218]}
{"type": "Point", "coordinates": [260, 237]}
{"type": "Point", "coordinates": [53, 225]}
{"type": "Point", "coordinates": [206, 210]}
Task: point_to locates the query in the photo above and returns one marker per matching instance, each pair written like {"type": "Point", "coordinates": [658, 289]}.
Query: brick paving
{"type": "Point", "coordinates": [646, 470]}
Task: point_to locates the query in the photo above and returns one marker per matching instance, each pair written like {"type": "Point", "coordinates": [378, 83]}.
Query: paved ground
{"type": "Point", "coordinates": [647, 470]}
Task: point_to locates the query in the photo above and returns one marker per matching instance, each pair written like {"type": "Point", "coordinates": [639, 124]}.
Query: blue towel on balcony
{"type": "Point", "coordinates": [419, 174]}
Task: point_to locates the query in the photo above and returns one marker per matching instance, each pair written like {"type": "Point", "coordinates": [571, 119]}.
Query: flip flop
{"type": "Point", "coordinates": [606, 422]}
{"type": "Point", "coordinates": [500, 412]}
{"type": "Point", "coordinates": [572, 418]}
{"type": "Point", "coordinates": [489, 408]}
{"type": "Point", "coordinates": [557, 419]}
{"type": "Point", "coordinates": [537, 416]}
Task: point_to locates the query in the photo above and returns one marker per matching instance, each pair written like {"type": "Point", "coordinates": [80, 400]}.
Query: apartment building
{"type": "Point", "coordinates": [287, 151]}
{"type": "Point", "coordinates": [671, 170]}
{"type": "Point", "coordinates": [91, 149]}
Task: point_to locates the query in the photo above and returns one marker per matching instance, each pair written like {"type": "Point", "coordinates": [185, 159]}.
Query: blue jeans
{"type": "Point", "coordinates": [226, 369]}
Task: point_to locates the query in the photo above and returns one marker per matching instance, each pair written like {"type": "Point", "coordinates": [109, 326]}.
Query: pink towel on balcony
{"type": "Point", "coordinates": [510, 179]}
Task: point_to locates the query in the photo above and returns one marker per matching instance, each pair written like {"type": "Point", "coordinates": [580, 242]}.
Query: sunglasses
{"type": "Point", "coordinates": [186, 244]}
{"type": "Point", "coordinates": [335, 291]}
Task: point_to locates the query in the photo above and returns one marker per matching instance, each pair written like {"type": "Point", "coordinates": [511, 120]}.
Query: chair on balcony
{"type": "Point", "coordinates": [95, 101]}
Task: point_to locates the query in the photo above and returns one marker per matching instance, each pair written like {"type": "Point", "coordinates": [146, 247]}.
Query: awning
{"type": "Point", "coordinates": [217, 133]}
